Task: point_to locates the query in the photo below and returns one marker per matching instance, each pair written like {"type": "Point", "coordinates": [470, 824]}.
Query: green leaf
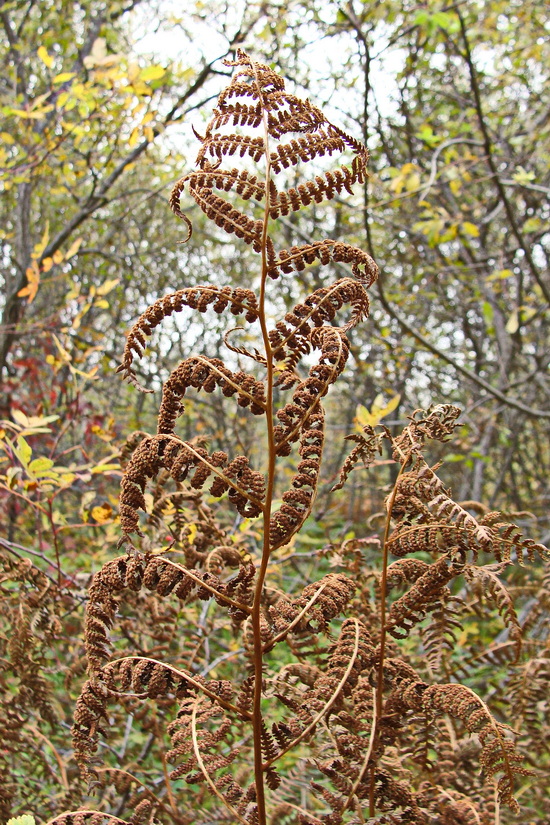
{"type": "Point", "coordinates": [25, 819]}
{"type": "Point", "coordinates": [40, 466]}
{"type": "Point", "coordinates": [23, 451]}
{"type": "Point", "coordinates": [488, 312]}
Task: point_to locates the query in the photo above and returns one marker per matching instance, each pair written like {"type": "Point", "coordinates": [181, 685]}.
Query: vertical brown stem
{"type": "Point", "coordinates": [379, 703]}
{"type": "Point", "coordinates": [256, 607]}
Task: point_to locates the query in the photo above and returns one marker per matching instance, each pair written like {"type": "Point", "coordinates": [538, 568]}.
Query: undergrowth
{"type": "Point", "coordinates": [357, 696]}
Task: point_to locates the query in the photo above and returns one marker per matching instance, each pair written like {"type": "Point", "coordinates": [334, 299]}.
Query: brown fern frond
{"type": "Point", "coordinates": [228, 218]}
{"type": "Point", "coordinates": [492, 588]}
{"type": "Point", "coordinates": [238, 300]}
{"type": "Point", "coordinates": [323, 187]}
{"type": "Point", "coordinates": [164, 577]}
{"type": "Point", "coordinates": [423, 596]}
{"type": "Point", "coordinates": [84, 817]}
{"type": "Point", "coordinates": [430, 520]}
{"type": "Point", "coordinates": [206, 374]}
{"type": "Point", "coordinates": [369, 444]}
{"type": "Point", "coordinates": [297, 258]}
{"type": "Point", "coordinates": [305, 399]}
{"type": "Point", "coordinates": [335, 592]}
{"type": "Point", "coordinates": [217, 146]}
{"type": "Point", "coordinates": [439, 636]}
{"type": "Point", "coordinates": [290, 339]}
{"type": "Point", "coordinates": [527, 694]}
{"type": "Point", "coordinates": [246, 486]}
{"type": "Point", "coordinates": [438, 424]}
{"type": "Point", "coordinates": [498, 754]}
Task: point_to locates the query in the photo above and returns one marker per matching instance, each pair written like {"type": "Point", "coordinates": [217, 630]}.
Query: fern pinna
{"type": "Point", "coordinates": [378, 731]}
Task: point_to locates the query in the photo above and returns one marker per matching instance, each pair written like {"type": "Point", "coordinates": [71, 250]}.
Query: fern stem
{"type": "Point", "coordinates": [379, 704]}
{"type": "Point", "coordinates": [269, 411]}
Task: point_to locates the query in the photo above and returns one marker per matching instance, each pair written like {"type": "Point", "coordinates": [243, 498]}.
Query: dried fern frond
{"type": "Point", "coordinates": [238, 300]}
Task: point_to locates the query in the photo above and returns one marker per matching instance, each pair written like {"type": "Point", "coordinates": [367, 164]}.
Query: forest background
{"type": "Point", "coordinates": [98, 103]}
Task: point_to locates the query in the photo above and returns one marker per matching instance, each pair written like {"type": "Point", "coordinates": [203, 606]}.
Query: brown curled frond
{"type": "Point", "coordinates": [142, 678]}
{"type": "Point", "coordinates": [334, 348]}
{"type": "Point", "coordinates": [423, 596]}
{"type": "Point", "coordinates": [255, 356]}
{"type": "Point", "coordinates": [498, 752]}
{"type": "Point", "coordinates": [303, 418]}
{"type": "Point", "coordinates": [488, 584]}
{"type": "Point", "coordinates": [290, 338]}
{"type": "Point", "coordinates": [164, 577]}
{"type": "Point", "coordinates": [246, 487]}
{"type": "Point", "coordinates": [297, 258]}
{"type": "Point", "coordinates": [436, 424]}
{"type": "Point", "coordinates": [369, 445]}
{"type": "Point", "coordinates": [206, 374]}
{"type": "Point", "coordinates": [238, 300]}
{"type": "Point", "coordinates": [335, 591]}
{"type": "Point", "coordinates": [84, 817]}
{"type": "Point", "coordinates": [323, 187]}
{"type": "Point", "coordinates": [298, 500]}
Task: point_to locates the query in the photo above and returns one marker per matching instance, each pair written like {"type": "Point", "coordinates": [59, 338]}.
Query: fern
{"type": "Point", "coordinates": [326, 672]}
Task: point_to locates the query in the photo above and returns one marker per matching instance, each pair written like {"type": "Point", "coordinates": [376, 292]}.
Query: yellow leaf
{"type": "Point", "coordinates": [57, 256]}
{"type": "Point", "coordinates": [470, 229]}
{"type": "Point", "coordinates": [152, 73]}
{"type": "Point", "coordinates": [73, 249]}
{"type": "Point", "coordinates": [133, 139]}
{"type": "Point", "coordinates": [133, 71]}
{"type": "Point", "coordinates": [62, 351]}
{"type": "Point", "coordinates": [107, 286]}
{"type": "Point", "coordinates": [379, 410]}
{"type": "Point", "coordinates": [499, 275]}
{"type": "Point", "coordinates": [103, 513]}
{"type": "Point", "coordinates": [413, 182]}
{"type": "Point", "coordinates": [104, 468]}
{"type": "Point", "coordinates": [7, 138]}
{"type": "Point", "coordinates": [42, 244]}
{"type": "Point", "coordinates": [41, 467]}
{"type": "Point", "coordinates": [23, 451]}
{"type": "Point", "coordinates": [149, 134]}
{"type": "Point", "coordinates": [47, 264]}
{"type": "Point", "coordinates": [513, 322]}
{"type": "Point", "coordinates": [20, 417]}
{"type": "Point", "coordinates": [45, 57]}
{"type": "Point", "coordinates": [90, 374]}
{"type": "Point", "coordinates": [63, 77]}
{"type": "Point", "coordinates": [33, 281]}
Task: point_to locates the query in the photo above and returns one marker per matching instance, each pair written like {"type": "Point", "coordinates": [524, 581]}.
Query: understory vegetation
{"type": "Point", "coordinates": [274, 488]}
